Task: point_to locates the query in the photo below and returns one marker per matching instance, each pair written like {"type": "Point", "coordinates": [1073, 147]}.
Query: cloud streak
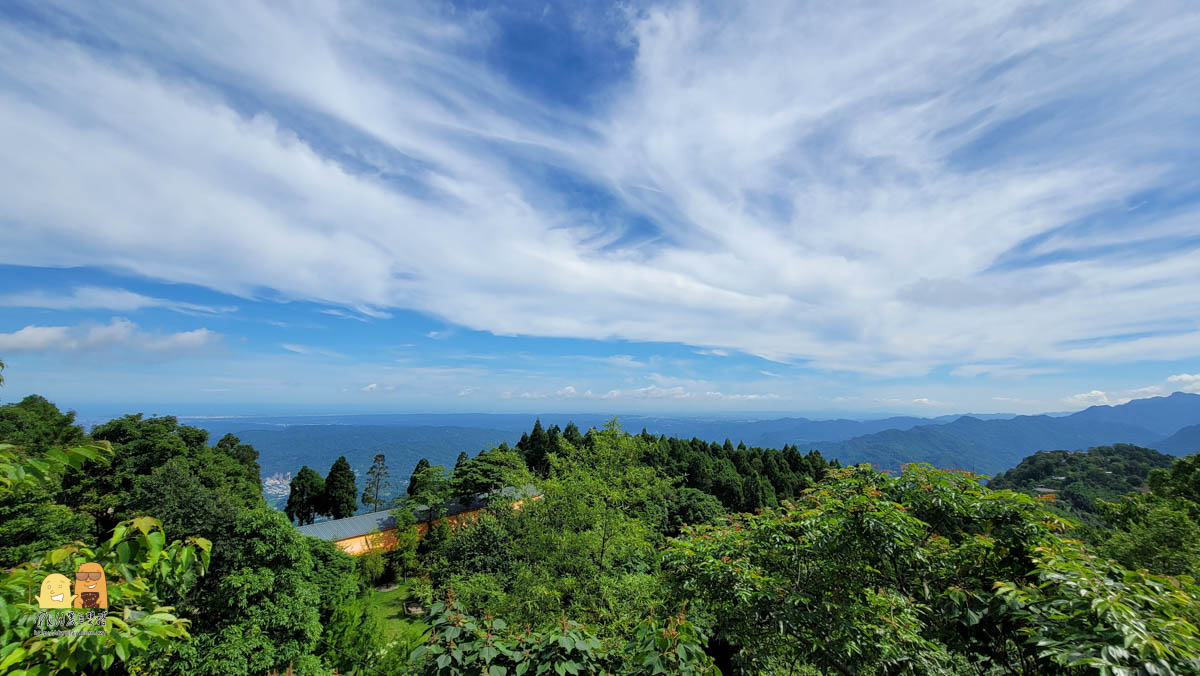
{"type": "Point", "coordinates": [924, 199]}
{"type": "Point", "coordinates": [100, 298]}
{"type": "Point", "coordinates": [119, 334]}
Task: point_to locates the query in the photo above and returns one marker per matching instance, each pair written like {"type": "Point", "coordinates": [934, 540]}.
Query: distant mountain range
{"type": "Point", "coordinates": [981, 443]}
{"type": "Point", "coordinates": [988, 446]}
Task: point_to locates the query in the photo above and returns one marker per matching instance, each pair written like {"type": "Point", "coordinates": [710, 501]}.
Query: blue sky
{"type": "Point", "coordinates": [808, 208]}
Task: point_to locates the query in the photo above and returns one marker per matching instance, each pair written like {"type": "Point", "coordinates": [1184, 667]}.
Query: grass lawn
{"type": "Point", "coordinates": [388, 608]}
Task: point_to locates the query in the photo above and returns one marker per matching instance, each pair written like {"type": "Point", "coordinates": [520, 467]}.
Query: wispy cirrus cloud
{"type": "Point", "coordinates": [312, 351]}
{"type": "Point", "coordinates": [100, 298]}
{"type": "Point", "coordinates": [963, 174]}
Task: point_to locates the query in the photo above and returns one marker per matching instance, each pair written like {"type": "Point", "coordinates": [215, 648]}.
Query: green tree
{"type": "Point", "coordinates": [141, 626]}
{"type": "Point", "coordinates": [422, 465]}
{"type": "Point", "coordinates": [141, 446]}
{"type": "Point", "coordinates": [377, 483]}
{"type": "Point", "coordinates": [491, 470]}
{"type": "Point", "coordinates": [341, 495]}
{"type": "Point", "coordinates": [306, 496]}
{"type": "Point", "coordinates": [585, 549]}
{"type": "Point", "coordinates": [1084, 611]}
{"type": "Point", "coordinates": [260, 608]}
{"type": "Point", "coordinates": [429, 489]}
{"type": "Point", "coordinates": [537, 448]}
{"type": "Point", "coordinates": [31, 519]}
{"type": "Point", "coordinates": [869, 573]}
{"type": "Point", "coordinates": [403, 557]}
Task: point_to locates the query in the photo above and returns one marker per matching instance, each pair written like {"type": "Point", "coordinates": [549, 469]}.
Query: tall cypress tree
{"type": "Point", "coordinates": [341, 495]}
{"type": "Point", "coordinates": [572, 435]}
{"type": "Point", "coordinates": [377, 483]}
{"type": "Point", "coordinates": [538, 449]}
{"type": "Point", "coordinates": [414, 480]}
{"type": "Point", "coordinates": [306, 497]}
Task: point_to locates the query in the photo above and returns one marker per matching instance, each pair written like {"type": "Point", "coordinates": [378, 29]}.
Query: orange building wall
{"type": "Point", "coordinates": [386, 540]}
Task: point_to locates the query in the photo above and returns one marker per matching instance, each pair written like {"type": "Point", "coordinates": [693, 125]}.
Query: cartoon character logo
{"type": "Point", "coordinates": [91, 589]}
{"type": "Point", "coordinates": [55, 590]}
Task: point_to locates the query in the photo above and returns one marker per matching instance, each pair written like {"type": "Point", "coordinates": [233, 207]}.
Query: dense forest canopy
{"type": "Point", "coordinates": [1077, 479]}
{"type": "Point", "coordinates": [641, 554]}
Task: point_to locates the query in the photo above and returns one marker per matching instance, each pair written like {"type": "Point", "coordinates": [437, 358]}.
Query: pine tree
{"type": "Point", "coordinates": [377, 483]}
{"type": "Point", "coordinates": [538, 449]}
{"type": "Point", "coordinates": [463, 458]}
{"type": "Point", "coordinates": [340, 492]}
{"type": "Point", "coordinates": [413, 481]}
{"type": "Point", "coordinates": [306, 496]}
{"type": "Point", "coordinates": [572, 435]}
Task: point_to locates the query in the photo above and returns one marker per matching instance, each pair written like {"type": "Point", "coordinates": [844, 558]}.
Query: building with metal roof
{"type": "Point", "coordinates": [362, 533]}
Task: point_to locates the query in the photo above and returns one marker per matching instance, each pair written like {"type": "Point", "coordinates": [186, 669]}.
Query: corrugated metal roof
{"type": "Point", "coordinates": [351, 526]}
{"type": "Point", "coordinates": [361, 524]}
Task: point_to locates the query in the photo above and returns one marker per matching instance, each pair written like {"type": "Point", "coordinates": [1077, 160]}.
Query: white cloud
{"type": "Point", "coordinates": [100, 298]}
{"type": "Point", "coordinates": [770, 374]}
{"type": "Point", "coordinates": [370, 388]}
{"type": "Point", "coordinates": [1092, 398]}
{"type": "Point", "coordinates": [812, 203]}
{"type": "Point", "coordinates": [1101, 397]}
{"type": "Point", "coordinates": [926, 401]}
{"type": "Point", "coordinates": [740, 397]}
{"type": "Point", "coordinates": [311, 351]}
{"type": "Point", "coordinates": [624, 361]}
{"type": "Point", "coordinates": [1186, 382]}
{"type": "Point", "coordinates": [119, 334]}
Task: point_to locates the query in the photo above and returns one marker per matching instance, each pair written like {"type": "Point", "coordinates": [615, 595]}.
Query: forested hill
{"type": "Point", "coordinates": [988, 446]}
{"type": "Point", "coordinates": [1077, 479]}
{"type": "Point", "coordinates": [1186, 440]}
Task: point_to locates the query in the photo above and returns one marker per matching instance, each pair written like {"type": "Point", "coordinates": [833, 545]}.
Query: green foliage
{"type": "Point", "coordinates": [377, 483]}
{"type": "Point", "coordinates": [20, 471]}
{"type": "Point", "coordinates": [537, 446]}
{"type": "Point", "coordinates": [402, 559]}
{"type": "Point", "coordinates": [459, 643]}
{"type": "Point", "coordinates": [1152, 532]}
{"type": "Point", "coordinates": [306, 496]}
{"type": "Point", "coordinates": [341, 496]}
{"type": "Point", "coordinates": [866, 572]}
{"type": "Point", "coordinates": [371, 567]}
{"type": "Point", "coordinates": [165, 466]}
{"type": "Point", "coordinates": [36, 425]}
{"type": "Point", "coordinates": [429, 489]}
{"type": "Point", "coordinates": [491, 470]}
{"type": "Point", "coordinates": [421, 466]}
{"type": "Point", "coordinates": [585, 549]}
{"type": "Point", "coordinates": [1079, 479]}
{"type": "Point", "coordinates": [259, 609]}
{"type": "Point", "coordinates": [1084, 611]}
{"type": "Point", "coordinates": [1181, 480]}
{"type": "Point", "coordinates": [1156, 531]}
{"type": "Point", "coordinates": [690, 506]}
{"type": "Point", "coordinates": [139, 629]}
{"type": "Point", "coordinates": [31, 521]}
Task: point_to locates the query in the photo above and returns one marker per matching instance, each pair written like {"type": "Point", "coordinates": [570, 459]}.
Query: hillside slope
{"type": "Point", "coordinates": [984, 446]}
{"type": "Point", "coordinates": [1077, 479]}
{"type": "Point", "coordinates": [1183, 442]}
{"type": "Point", "coordinates": [1164, 415]}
